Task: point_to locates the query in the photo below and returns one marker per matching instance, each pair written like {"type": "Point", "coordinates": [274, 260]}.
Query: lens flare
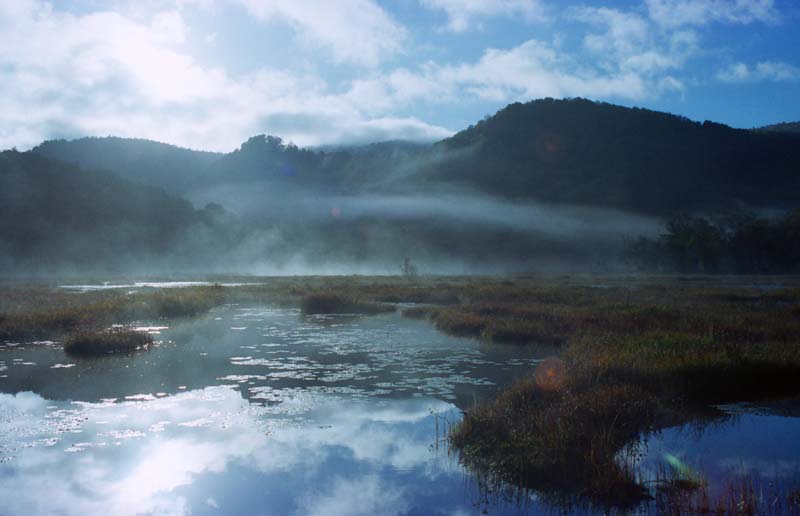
{"type": "Point", "coordinates": [550, 374]}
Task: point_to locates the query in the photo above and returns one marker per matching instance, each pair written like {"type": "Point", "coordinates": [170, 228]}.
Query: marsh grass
{"type": "Point", "coordinates": [634, 362]}
{"type": "Point", "coordinates": [742, 495]}
{"type": "Point", "coordinates": [117, 340]}
{"type": "Point", "coordinates": [558, 441]}
{"type": "Point", "coordinates": [638, 354]}
{"type": "Point", "coordinates": [65, 314]}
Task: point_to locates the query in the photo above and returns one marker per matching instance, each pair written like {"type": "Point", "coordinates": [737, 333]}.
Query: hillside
{"type": "Point", "coordinates": [550, 184]}
{"type": "Point", "coordinates": [582, 152]}
{"type": "Point", "coordinates": [54, 215]}
{"type": "Point", "coordinates": [172, 168]}
{"type": "Point", "coordinates": [785, 127]}
{"type": "Point", "coordinates": [555, 151]}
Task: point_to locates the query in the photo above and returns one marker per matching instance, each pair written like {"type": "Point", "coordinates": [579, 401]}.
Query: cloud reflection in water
{"type": "Point", "coordinates": [168, 455]}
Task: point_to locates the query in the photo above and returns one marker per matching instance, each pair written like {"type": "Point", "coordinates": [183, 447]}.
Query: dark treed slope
{"type": "Point", "coordinates": [266, 158]}
{"type": "Point", "coordinates": [261, 159]}
{"type": "Point", "coordinates": [172, 168]}
{"type": "Point", "coordinates": [557, 151]}
{"type": "Point", "coordinates": [578, 151]}
{"type": "Point", "coordinates": [472, 202]}
{"type": "Point", "coordinates": [54, 215]}
{"type": "Point", "coordinates": [344, 169]}
{"type": "Point", "coordinates": [784, 127]}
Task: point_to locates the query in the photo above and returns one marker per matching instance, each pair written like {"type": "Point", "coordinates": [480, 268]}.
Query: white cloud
{"type": "Point", "coordinates": [627, 42]}
{"type": "Point", "coordinates": [531, 70]}
{"type": "Point", "coordinates": [466, 14]}
{"type": "Point", "coordinates": [625, 33]}
{"type": "Point", "coordinates": [168, 443]}
{"type": "Point", "coordinates": [169, 27]}
{"type": "Point", "coordinates": [106, 73]}
{"type": "Point", "coordinates": [357, 31]}
{"type": "Point", "coordinates": [534, 70]}
{"type": "Point", "coordinates": [673, 13]}
{"type": "Point", "coordinates": [358, 497]}
{"type": "Point", "coordinates": [624, 57]}
{"type": "Point", "coordinates": [737, 72]}
{"type": "Point", "coordinates": [772, 71]}
{"type": "Point", "coordinates": [132, 71]}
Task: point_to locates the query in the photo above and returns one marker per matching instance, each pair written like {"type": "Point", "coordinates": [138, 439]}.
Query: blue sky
{"type": "Point", "coordinates": [209, 73]}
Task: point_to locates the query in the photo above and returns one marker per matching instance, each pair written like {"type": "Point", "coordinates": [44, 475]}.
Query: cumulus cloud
{"type": "Point", "coordinates": [672, 13]}
{"type": "Point", "coordinates": [358, 31]}
{"type": "Point", "coordinates": [107, 73]}
{"type": "Point", "coordinates": [772, 71]}
{"type": "Point", "coordinates": [138, 69]}
{"type": "Point", "coordinates": [359, 497]}
{"type": "Point", "coordinates": [532, 69]}
{"type": "Point", "coordinates": [535, 69]}
{"type": "Point", "coordinates": [466, 14]}
{"type": "Point", "coordinates": [623, 56]}
{"type": "Point", "coordinates": [624, 42]}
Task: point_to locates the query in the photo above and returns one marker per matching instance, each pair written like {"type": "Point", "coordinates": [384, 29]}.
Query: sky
{"type": "Point", "coordinates": [207, 74]}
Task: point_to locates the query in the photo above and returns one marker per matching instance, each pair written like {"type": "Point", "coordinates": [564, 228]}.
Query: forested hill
{"type": "Point", "coordinates": [556, 151]}
{"type": "Point", "coordinates": [578, 151]}
{"type": "Point", "coordinates": [172, 168]}
{"type": "Point", "coordinates": [785, 127]}
{"type": "Point", "coordinates": [57, 216]}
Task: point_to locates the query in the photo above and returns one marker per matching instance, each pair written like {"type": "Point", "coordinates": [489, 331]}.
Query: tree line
{"type": "Point", "coordinates": [737, 243]}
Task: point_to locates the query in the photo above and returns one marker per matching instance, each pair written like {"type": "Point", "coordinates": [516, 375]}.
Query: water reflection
{"type": "Point", "coordinates": [756, 443]}
{"type": "Point", "coordinates": [210, 451]}
{"type": "Point", "coordinates": [270, 354]}
{"type": "Point", "coordinates": [247, 411]}
{"type": "Point", "coordinates": [253, 410]}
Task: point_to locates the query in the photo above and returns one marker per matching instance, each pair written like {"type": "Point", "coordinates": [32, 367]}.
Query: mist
{"type": "Point", "coordinates": [527, 190]}
{"type": "Point", "coordinates": [457, 232]}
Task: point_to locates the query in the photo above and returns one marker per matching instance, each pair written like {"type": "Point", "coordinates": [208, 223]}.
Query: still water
{"type": "Point", "coordinates": [257, 410]}
{"type": "Point", "coordinates": [249, 410]}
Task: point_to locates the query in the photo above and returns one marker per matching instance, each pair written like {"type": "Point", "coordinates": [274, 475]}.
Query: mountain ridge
{"type": "Point", "coordinates": [568, 151]}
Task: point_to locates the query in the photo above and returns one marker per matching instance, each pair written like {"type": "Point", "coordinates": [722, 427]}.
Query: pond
{"type": "Point", "coordinates": [249, 410]}
{"type": "Point", "coordinates": [260, 410]}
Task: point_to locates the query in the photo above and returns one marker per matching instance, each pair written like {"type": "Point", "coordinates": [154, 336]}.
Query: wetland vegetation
{"type": "Point", "coordinates": [631, 355]}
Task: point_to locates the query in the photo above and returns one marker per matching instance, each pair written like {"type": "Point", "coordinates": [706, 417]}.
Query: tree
{"type": "Point", "coordinates": [407, 268]}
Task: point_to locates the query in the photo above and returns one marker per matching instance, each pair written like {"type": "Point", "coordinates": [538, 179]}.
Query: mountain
{"type": "Point", "coordinates": [172, 168]}
{"type": "Point", "coordinates": [549, 184]}
{"type": "Point", "coordinates": [263, 160]}
{"type": "Point", "coordinates": [277, 165]}
{"type": "Point", "coordinates": [785, 127]}
{"type": "Point", "coordinates": [571, 151]}
{"type": "Point", "coordinates": [57, 216]}
{"type": "Point", "coordinates": [582, 152]}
